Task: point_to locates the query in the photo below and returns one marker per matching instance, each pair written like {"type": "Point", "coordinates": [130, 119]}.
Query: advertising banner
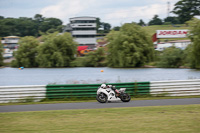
{"type": "Point", "coordinates": [172, 33]}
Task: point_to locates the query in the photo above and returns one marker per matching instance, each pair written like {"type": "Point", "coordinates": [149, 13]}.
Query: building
{"type": "Point", "coordinates": [182, 44]}
{"type": "Point", "coordinates": [10, 42]}
{"type": "Point", "coordinates": [83, 30]}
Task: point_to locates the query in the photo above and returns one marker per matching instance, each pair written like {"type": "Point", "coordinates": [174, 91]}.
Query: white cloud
{"type": "Point", "coordinates": [135, 13]}
{"type": "Point", "coordinates": [113, 12]}
{"type": "Point", "coordinates": [65, 9]}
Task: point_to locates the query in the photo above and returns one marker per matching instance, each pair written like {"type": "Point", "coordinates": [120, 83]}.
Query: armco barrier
{"type": "Point", "coordinates": [89, 90]}
{"type": "Point", "coordinates": [175, 88]}
{"type": "Point", "coordinates": [39, 92]}
{"type": "Point", "coordinates": [22, 93]}
{"type": "Point", "coordinates": [155, 88]}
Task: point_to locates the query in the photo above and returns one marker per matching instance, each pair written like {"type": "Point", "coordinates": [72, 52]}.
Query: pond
{"type": "Point", "coordinates": [90, 75]}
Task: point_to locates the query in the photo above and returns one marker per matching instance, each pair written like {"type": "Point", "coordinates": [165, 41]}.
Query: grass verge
{"type": "Point", "coordinates": [158, 119]}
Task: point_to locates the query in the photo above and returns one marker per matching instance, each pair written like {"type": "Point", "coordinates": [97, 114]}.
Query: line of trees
{"type": "Point", "coordinates": [24, 26]}
{"type": "Point", "coordinates": [184, 9]}
{"type": "Point", "coordinates": [129, 47]}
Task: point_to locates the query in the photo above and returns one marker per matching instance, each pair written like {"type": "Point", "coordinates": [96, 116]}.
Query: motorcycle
{"type": "Point", "coordinates": [108, 94]}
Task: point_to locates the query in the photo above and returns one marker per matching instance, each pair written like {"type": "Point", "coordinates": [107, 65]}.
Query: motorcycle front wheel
{"type": "Point", "coordinates": [125, 97]}
{"type": "Point", "coordinates": [102, 98]}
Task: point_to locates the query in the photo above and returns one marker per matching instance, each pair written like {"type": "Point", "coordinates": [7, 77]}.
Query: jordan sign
{"type": "Point", "coordinates": [172, 33]}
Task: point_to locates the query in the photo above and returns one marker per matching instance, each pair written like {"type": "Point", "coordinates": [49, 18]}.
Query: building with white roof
{"type": "Point", "coordinates": [83, 29]}
{"type": "Point", "coordinates": [10, 42]}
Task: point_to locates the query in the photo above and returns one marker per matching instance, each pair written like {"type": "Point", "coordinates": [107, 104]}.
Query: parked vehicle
{"type": "Point", "coordinates": [7, 53]}
{"type": "Point", "coordinates": [108, 93]}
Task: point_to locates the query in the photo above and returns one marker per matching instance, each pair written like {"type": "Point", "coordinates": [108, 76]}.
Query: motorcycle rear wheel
{"type": "Point", "coordinates": [125, 97]}
{"type": "Point", "coordinates": [102, 98]}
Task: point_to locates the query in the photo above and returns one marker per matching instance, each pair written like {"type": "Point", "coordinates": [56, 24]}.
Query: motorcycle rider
{"type": "Point", "coordinates": [104, 86]}
{"type": "Point", "coordinates": [115, 90]}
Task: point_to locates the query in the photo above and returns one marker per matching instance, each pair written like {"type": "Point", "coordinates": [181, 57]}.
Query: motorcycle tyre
{"type": "Point", "coordinates": [101, 101]}
{"type": "Point", "coordinates": [125, 99]}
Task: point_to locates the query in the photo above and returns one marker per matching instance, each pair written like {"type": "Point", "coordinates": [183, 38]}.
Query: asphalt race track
{"type": "Point", "coordinates": [95, 105]}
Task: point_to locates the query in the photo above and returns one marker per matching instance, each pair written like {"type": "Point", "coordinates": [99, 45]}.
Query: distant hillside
{"type": "Point", "coordinates": [152, 29]}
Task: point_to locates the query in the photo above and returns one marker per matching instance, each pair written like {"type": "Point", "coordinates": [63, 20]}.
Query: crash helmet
{"type": "Point", "coordinates": [103, 86]}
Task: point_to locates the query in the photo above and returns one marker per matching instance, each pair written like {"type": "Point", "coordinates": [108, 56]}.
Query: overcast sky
{"type": "Point", "coordinates": [115, 12]}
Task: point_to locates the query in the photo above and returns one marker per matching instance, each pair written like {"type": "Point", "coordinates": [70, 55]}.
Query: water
{"type": "Point", "coordinates": [87, 75]}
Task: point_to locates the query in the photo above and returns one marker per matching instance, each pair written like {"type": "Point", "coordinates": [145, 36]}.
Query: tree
{"type": "Point", "coordinates": [7, 27]}
{"type": "Point", "coordinates": [24, 26]}
{"type": "Point", "coordinates": [171, 58]}
{"type": "Point", "coordinates": [172, 20]}
{"type": "Point", "coordinates": [1, 17]}
{"type": "Point", "coordinates": [56, 51]}
{"type": "Point", "coordinates": [49, 23]}
{"type": "Point", "coordinates": [102, 25]}
{"type": "Point", "coordinates": [1, 54]}
{"type": "Point", "coordinates": [25, 55]}
{"type": "Point", "coordinates": [195, 46]}
{"type": "Point", "coordinates": [20, 27]}
{"type": "Point", "coordinates": [129, 47]}
{"type": "Point", "coordinates": [117, 28]}
{"type": "Point", "coordinates": [156, 21]}
{"type": "Point", "coordinates": [38, 18]}
{"type": "Point", "coordinates": [187, 56]}
{"type": "Point", "coordinates": [186, 9]}
{"type": "Point", "coordinates": [106, 27]}
{"type": "Point", "coordinates": [98, 21]}
{"type": "Point", "coordinates": [141, 23]}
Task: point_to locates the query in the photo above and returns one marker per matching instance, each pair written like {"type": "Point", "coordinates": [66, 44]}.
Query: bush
{"type": "Point", "coordinates": [78, 62]}
{"type": "Point", "coordinates": [171, 58]}
{"type": "Point", "coordinates": [25, 55]}
{"type": "Point", "coordinates": [92, 59]}
{"type": "Point", "coordinates": [56, 51]}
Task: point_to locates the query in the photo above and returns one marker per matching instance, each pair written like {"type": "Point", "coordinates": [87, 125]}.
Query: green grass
{"type": "Point", "coordinates": [160, 119]}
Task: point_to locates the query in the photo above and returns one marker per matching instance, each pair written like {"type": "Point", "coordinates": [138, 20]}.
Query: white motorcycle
{"type": "Point", "coordinates": [108, 93]}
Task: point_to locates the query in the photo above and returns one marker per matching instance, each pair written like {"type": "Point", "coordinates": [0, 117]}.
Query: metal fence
{"type": "Point", "coordinates": [22, 93]}
{"type": "Point", "coordinates": [175, 88]}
